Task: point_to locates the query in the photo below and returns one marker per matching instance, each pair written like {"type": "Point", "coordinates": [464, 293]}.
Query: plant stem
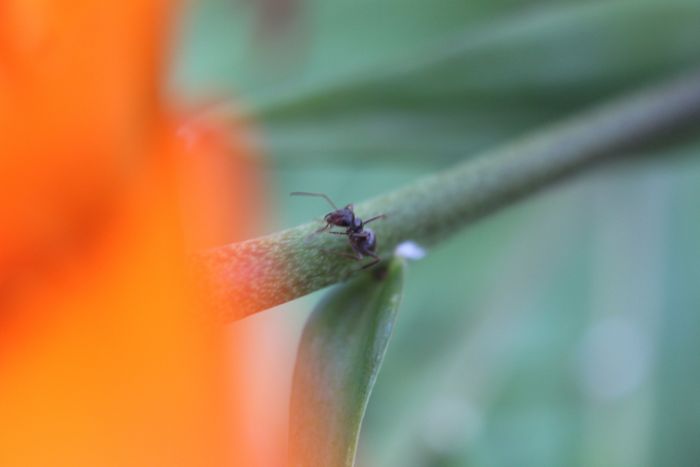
{"type": "Point", "coordinates": [250, 276]}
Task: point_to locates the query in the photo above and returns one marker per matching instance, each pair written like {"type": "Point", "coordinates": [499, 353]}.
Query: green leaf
{"type": "Point", "coordinates": [341, 350]}
{"type": "Point", "coordinates": [429, 83]}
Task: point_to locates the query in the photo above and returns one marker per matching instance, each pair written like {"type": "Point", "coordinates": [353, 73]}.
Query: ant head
{"type": "Point", "coordinates": [341, 218]}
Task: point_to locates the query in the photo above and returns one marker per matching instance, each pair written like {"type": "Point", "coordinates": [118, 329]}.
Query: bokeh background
{"type": "Point", "coordinates": [562, 331]}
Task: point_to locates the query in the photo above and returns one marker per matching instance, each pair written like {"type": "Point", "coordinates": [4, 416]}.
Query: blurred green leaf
{"type": "Point", "coordinates": [487, 83]}
{"type": "Point", "coordinates": [464, 77]}
{"type": "Point", "coordinates": [341, 350]}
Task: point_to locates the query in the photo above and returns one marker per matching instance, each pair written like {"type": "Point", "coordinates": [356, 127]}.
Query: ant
{"type": "Point", "coordinates": [362, 240]}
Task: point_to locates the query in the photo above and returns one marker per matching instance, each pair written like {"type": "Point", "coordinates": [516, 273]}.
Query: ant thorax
{"type": "Point", "coordinates": [357, 225]}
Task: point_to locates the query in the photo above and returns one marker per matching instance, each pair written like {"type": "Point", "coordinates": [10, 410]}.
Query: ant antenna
{"type": "Point", "coordinates": [320, 195]}
{"type": "Point", "coordinates": [381, 216]}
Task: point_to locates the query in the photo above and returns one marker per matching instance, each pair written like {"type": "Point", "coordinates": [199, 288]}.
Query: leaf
{"type": "Point", "coordinates": [341, 350]}
{"type": "Point", "coordinates": [483, 86]}
{"type": "Point", "coordinates": [429, 83]}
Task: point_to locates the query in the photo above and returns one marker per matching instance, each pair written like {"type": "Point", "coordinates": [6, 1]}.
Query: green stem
{"type": "Point", "coordinates": [251, 276]}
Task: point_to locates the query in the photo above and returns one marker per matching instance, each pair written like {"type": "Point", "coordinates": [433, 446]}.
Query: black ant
{"type": "Point", "coordinates": [362, 240]}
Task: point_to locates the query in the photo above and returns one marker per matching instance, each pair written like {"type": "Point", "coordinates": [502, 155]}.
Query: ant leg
{"type": "Point", "coordinates": [357, 256]}
{"type": "Point", "coordinates": [376, 260]}
{"type": "Point", "coordinates": [338, 233]}
{"type": "Point", "coordinates": [323, 229]}
{"type": "Point", "coordinates": [316, 232]}
{"type": "Point", "coordinates": [381, 216]}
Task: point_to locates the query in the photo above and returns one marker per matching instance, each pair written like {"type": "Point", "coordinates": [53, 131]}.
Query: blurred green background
{"type": "Point", "coordinates": [564, 331]}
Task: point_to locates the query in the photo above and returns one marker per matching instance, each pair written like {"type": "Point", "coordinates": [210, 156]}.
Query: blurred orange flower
{"type": "Point", "coordinates": [106, 355]}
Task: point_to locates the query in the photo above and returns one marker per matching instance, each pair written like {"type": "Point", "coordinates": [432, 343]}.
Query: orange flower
{"type": "Point", "coordinates": [106, 357]}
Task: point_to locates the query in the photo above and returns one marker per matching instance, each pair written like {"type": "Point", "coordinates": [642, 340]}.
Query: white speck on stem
{"type": "Point", "coordinates": [410, 250]}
